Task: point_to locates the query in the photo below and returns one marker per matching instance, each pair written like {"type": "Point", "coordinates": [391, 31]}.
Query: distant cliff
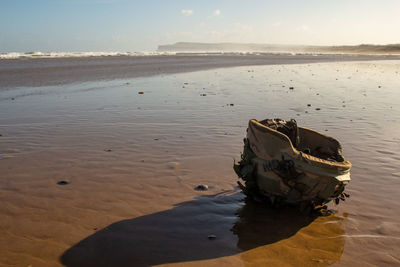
{"type": "Point", "coordinates": [243, 47]}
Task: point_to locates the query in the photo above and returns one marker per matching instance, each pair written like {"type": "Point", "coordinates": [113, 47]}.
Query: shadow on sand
{"type": "Point", "coordinates": [181, 234]}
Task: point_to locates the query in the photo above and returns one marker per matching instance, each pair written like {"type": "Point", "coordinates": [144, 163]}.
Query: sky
{"type": "Point", "coordinates": [124, 25]}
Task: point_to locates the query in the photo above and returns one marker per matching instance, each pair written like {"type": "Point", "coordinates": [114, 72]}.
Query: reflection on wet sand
{"type": "Point", "coordinates": [181, 235]}
{"type": "Point", "coordinates": [280, 237]}
{"type": "Point", "coordinates": [130, 157]}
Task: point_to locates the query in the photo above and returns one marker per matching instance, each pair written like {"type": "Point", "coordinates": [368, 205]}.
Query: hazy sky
{"type": "Point", "coordinates": [123, 25]}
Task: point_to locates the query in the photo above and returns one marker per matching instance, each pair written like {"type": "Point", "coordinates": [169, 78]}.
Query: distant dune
{"type": "Point", "coordinates": [244, 47]}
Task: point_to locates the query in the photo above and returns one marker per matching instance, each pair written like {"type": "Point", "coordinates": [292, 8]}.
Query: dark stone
{"type": "Point", "coordinates": [63, 182]}
{"type": "Point", "coordinates": [201, 187]}
{"type": "Point", "coordinates": [211, 237]}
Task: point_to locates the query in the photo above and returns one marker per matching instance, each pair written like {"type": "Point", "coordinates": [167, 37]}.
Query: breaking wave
{"type": "Point", "coordinates": [20, 55]}
{"type": "Point", "coordinates": [27, 55]}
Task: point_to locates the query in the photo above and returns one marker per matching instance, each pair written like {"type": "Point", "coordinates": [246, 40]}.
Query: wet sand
{"type": "Point", "coordinates": [132, 161]}
{"type": "Point", "coordinates": [58, 71]}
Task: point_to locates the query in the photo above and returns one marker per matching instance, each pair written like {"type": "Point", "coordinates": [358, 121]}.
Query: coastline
{"type": "Point", "coordinates": [37, 72]}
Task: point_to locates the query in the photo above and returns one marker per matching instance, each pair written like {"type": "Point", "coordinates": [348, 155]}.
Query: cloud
{"type": "Point", "coordinates": [187, 12]}
{"type": "Point", "coordinates": [217, 12]}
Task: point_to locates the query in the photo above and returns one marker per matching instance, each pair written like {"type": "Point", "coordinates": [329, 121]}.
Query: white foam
{"type": "Point", "coordinates": [21, 55]}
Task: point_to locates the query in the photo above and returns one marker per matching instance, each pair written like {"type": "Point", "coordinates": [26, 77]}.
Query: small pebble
{"type": "Point", "coordinates": [155, 139]}
{"type": "Point", "coordinates": [211, 237]}
{"type": "Point", "coordinates": [62, 182]}
{"type": "Point", "coordinates": [231, 105]}
{"type": "Point", "coordinates": [318, 109]}
{"type": "Point", "coordinates": [203, 94]}
{"type": "Point", "coordinates": [201, 187]}
{"type": "Point", "coordinates": [317, 260]}
{"type": "Point", "coordinates": [108, 150]}
{"type": "Point", "coordinates": [291, 88]}
{"type": "Point", "coordinates": [173, 165]}
{"type": "Point", "coordinates": [140, 93]}
{"type": "Point", "coordinates": [308, 105]}
{"type": "Point", "coordinates": [12, 98]}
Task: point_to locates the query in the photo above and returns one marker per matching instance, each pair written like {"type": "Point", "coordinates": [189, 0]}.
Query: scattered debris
{"type": "Point", "coordinates": [201, 187]}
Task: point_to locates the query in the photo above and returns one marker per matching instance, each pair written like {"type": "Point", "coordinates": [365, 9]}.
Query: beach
{"type": "Point", "coordinates": [100, 157]}
{"type": "Point", "coordinates": [36, 72]}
